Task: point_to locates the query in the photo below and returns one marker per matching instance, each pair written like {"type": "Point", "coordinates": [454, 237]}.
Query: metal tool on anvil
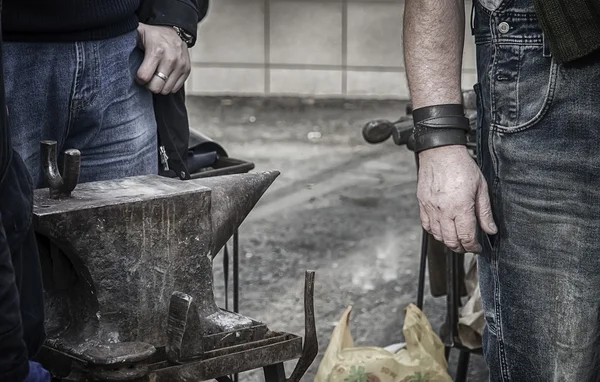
{"type": "Point", "coordinates": [127, 268]}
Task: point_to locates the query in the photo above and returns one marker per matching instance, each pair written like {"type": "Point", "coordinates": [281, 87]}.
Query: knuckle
{"type": "Point", "coordinates": [144, 77]}
{"type": "Point", "coordinates": [456, 249]}
{"type": "Point", "coordinates": [170, 59]}
{"type": "Point", "coordinates": [158, 51]}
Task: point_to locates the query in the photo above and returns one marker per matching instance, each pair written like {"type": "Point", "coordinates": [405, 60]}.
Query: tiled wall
{"type": "Point", "coordinates": [320, 48]}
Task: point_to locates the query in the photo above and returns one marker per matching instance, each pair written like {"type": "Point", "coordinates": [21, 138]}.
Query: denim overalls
{"type": "Point", "coordinates": [539, 149]}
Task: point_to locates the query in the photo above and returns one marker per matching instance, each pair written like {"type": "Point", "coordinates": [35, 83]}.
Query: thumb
{"type": "Point", "coordinates": [483, 209]}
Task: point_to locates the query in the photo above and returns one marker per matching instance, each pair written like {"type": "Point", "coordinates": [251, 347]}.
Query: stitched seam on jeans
{"type": "Point", "coordinates": [517, 82]}
{"type": "Point", "coordinates": [498, 314]}
{"type": "Point", "coordinates": [495, 260]}
{"type": "Point", "coordinates": [73, 108]}
{"type": "Point", "coordinates": [94, 66]}
{"type": "Point", "coordinates": [504, 371]}
{"type": "Point", "coordinates": [548, 99]}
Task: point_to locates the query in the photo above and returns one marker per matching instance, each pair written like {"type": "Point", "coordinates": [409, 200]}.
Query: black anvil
{"type": "Point", "coordinates": [127, 268]}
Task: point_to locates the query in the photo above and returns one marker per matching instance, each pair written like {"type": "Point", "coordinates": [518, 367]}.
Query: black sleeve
{"type": "Point", "coordinates": [185, 14]}
{"type": "Point", "coordinates": [13, 351]}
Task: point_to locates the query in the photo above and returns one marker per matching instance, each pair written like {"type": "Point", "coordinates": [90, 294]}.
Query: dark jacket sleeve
{"type": "Point", "coordinates": [185, 14]}
{"type": "Point", "coordinates": [13, 352]}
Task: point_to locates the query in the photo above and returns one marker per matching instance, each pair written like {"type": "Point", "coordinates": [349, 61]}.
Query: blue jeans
{"type": "Point", "coordinates": [539, 149]}
{"type": "Point", "coordinates": [84, 96]}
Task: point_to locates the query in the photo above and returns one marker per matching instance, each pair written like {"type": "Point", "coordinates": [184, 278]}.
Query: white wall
{"type": "Point", "coordinates": [320, 48]}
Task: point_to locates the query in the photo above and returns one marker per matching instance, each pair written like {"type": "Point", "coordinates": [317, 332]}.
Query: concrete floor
{"type": "Point", "coordinates": [341, 207]}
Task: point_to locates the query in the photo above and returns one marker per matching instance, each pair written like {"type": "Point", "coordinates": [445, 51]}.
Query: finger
{"type": "Point", "coordinates": [140, 40]}
{"type": "Point", "coordinates": [449, 235]}
{"type": "Point", "coordinates": [157, 83]}
{"type": "Point", "coordinates": [424, 218]}
{"type": "Point", "coordinates": [466, 230]}
{"type": "Point", "coordinates": [483, 210]}
{"type": "Point", "coordinates": [185, 69]}
{"type": "Point", "coordinates": [179, 84]}
{"type": "Point", "coordinates": [436, 229]}
{"type": "Point", "coordinates": [149, 65]}
{"type": "Point", "coordinates": [173, 79]}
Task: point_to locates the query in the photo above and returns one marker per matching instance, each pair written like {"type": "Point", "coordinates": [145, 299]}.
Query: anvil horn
{"type": "Point", "coordinates": [233, 197]}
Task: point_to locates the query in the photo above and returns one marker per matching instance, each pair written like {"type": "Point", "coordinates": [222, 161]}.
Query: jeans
{"type": "Point", "coordinates": [538, 148]}
{"type": "Point", "coordinates": [21, 299]}
{"type": "Point", "coordinates": [84, 96]}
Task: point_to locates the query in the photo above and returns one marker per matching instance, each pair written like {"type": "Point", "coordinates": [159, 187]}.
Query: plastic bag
{"type": "Point", "coordinates": [422, 360]}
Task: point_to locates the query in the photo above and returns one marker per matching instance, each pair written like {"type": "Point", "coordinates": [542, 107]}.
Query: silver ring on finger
{"type": "Point", "coordinates": [162, 76]}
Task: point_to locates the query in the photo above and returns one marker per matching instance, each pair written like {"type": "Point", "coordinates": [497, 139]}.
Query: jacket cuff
{"type": "Point", "coordinates": [174, 13]}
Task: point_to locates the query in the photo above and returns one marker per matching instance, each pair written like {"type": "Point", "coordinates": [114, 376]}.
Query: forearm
{"type": "Point", "coordinates": [433, 48]}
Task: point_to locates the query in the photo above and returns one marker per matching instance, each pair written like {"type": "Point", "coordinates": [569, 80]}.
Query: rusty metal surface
{"type": "Point", "coordinates": [231, 363]}
{"type": "Point", "coordinates": [127, 245]}
{"type": "Point", "coordinates": [311, 345]}
{"type": "Point", "coordinates": [127, 270]}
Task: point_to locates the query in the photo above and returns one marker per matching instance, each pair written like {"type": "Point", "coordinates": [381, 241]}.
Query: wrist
{"type": "Point", "coordinates": [184, 35]}
{"type": "Point", "coordinates": [439, 126]}
{"type": "Point", "coordinates": [442, 151]}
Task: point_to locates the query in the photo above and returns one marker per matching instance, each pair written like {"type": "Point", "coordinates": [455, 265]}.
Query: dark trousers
{"type": "Point", "coordinates": [21, 293]}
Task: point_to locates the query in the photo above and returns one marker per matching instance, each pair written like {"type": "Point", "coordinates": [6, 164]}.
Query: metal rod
{"type": "Point", "coordinates": [423, 265]}
{"type": "Point", "coordinates": [274, 373]}
{"type": "Point", "coordinates": [450, 308]}
{"type": "Point", "coordinates": [311, 344]}
{"type": "Point", "coordinates": [463, 366]}
{"type": "Point", "coordinates": [455, 294]}
{"type": "Point", "coordinates": [226, 274]}
{"type": "Point", "coordinates": [422, 268]}
{"type": "Point", "coordinates": [236, 271]}
{"type": "Point", "coordinates": [236, 279]}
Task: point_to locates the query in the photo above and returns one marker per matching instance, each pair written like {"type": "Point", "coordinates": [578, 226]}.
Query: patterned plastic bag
{"type": "Point", "coordinates": [421, 360]}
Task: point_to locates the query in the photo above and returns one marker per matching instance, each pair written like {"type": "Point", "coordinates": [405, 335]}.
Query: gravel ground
{"type": "Point", "coordinates": [341, 207]}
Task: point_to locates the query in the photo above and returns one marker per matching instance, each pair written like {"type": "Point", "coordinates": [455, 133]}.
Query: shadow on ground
{"type": "Point", "coordinates": [341, 207]}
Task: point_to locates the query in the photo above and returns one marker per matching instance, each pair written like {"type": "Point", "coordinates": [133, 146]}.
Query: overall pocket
{"type": "Point", "coordinates": [522, 83]}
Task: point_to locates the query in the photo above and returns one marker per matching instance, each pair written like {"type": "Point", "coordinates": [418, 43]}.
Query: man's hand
{"type": "Point", "coordinates": [166, 63]}
{"type": "Point", "coordinates": [453, 196]}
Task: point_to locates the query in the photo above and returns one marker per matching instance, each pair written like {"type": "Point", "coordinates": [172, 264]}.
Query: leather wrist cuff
{"type": "Point", "coordinates": [440, 125]}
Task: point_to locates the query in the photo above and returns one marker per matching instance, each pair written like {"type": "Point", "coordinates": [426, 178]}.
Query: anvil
{"type": "Point", "coordinates": [127, 268]}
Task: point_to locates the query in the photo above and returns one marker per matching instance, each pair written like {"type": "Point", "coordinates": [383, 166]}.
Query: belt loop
{"type": "Point", "coordinates": [547, 52]}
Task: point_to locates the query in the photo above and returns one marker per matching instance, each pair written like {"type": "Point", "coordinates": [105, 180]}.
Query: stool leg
{"type": "Point", "coordinates": [463, 366]}
{"type": "Point", "coordinates": [236, 279]}
{"type": "Point", "coordinates": [236, 271]}
{"type": "Point", "coordinates": [274, 373]}
{"type": "Point", "coordinates": [226, 274]}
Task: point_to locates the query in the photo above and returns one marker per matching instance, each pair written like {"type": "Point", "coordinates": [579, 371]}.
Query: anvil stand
{"type": "Point", "coordinates": [188, 354]}
{"type": "Point", "coordinates": [436, 254]}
